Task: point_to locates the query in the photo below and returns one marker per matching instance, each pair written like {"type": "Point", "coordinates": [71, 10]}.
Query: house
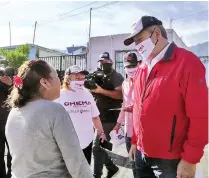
{"type": "Point", "coordinates": [113, 44]}
{"type": "Point", "coordinates": [201, 50]}
{"type": "Point", "coordinates": [38, 51]}
{"type": "Point", "coordinates": [76, 50]}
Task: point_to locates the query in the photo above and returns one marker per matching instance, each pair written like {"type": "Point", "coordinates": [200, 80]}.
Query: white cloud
{"type": "Point", "coordinates": [113, 19]}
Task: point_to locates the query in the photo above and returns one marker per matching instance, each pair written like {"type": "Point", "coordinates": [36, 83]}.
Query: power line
{"type": "Point", "coordinates": [190, 15]}
{"type": "Point", "coordinates": [49, 21]}
{"type": "Point", "coordinates": [105, 5]}
{"type": "Point", "coordinates": [63, 18]}
{"type": "Point", "coordinates": [78, 13]}
{"type": "Point", "coordinates": [171, 20]}
{"type": "Point", "coordinates": [78, 8]}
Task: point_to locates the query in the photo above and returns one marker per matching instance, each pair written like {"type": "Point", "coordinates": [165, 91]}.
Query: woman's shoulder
{"type": "Point", "coordinates": [50, 105]}
{"type": "Point", "coordinates": [44, 106]}
{"type": "Point", "coordinates": [40, 108]}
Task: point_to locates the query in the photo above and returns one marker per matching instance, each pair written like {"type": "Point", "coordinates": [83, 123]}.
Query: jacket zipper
{"type": "Point", "coordinates": [172, 133]}
{"type": "Point", "coordinates": [148, 82]}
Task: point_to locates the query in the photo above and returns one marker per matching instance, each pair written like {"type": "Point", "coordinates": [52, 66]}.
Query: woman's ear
{"type": "Point", "coordinates": [45, 84]}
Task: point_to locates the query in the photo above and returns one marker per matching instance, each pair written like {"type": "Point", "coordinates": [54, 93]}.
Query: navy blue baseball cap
{"type": "Point", "coordinates": [144, 23]}
{"type": "Point", "coordinates": [130, 59]}
{"type": "Point", "coordinates": [105, 57]}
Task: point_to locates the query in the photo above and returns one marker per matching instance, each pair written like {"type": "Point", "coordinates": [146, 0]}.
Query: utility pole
{"type": "Point", "coordinates": [171, 21]}
{"type": "Point", "coordinates": [10, 36]}
{"type": "Point", "coordinates": [34, 33]}
{"type": "Point", "coordinates": [89, 40]}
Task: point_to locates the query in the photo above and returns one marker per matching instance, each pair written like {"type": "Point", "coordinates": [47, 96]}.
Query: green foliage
{"type": "Point", "coordinates": [17, 57]}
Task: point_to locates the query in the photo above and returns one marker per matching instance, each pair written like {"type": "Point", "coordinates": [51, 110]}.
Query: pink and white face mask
{"type": "Point", "coordinates": [77, 85]}
{"type": "Point", "coordinates": [145, 48]}
{"type": "Point", "coordinates": [130, 71]}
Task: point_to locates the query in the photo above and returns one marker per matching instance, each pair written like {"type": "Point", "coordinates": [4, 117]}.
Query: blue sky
{"type": "Point", "coordinates": [113, 19]}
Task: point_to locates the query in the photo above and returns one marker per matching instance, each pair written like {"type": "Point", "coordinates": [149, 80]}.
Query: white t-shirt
{"type": "Point", "coordinates": [81, 107]}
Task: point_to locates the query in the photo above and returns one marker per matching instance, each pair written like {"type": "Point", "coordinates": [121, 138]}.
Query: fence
{"type": "Point", "coordinates": [61, 63]}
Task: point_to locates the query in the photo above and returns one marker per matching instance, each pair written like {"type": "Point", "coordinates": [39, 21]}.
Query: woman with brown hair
{"type": "Point", "coordinates": [40, 133]}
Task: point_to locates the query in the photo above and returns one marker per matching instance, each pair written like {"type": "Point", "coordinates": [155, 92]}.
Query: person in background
{"type": "Point", "coordinates": [170, 111]}
{"type": "Point", "coordinates": [130, 65]}
{"type": "Point", "coordinates": [6, 75]}
{"type": "Point", "coordinates": [107, 96]}
{"type": "Point", "coordinates": [40, 133]}
{"type": "Point", "coordinates": [80, 105]}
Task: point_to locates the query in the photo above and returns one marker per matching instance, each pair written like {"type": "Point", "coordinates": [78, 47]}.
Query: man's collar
{"type": "Point", "coordinates": [169, 53]}
{"type": "Point", "coordinates": [160, 56]}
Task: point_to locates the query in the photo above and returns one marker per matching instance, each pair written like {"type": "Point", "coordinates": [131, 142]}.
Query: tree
{"type": "Point", "coordinates": [17, 57]}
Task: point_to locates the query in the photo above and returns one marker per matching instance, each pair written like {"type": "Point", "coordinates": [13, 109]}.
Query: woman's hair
{"type": "Point", "coordinates": [30, 72]}
{"type": "Point", "coordinates": [65, 84]}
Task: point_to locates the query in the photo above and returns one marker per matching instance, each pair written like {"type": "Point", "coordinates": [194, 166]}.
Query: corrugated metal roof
{"type": "Point", "coordinates": [74, 48]}
{"type": "Point", "coordinates": [34, 45]}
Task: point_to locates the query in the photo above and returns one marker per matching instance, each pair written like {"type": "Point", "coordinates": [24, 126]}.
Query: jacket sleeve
{"type": "Point", "coordinates": [68, 143]}
{"type": "Point", "coordinates": [196, 102]}
{"type": "Point", "coordinates": [134, 138]}
{"type": "Point", "coordinates": [121, 116]}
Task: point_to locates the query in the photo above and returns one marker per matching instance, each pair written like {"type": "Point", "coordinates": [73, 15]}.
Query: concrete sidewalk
{"type": "Point", "coordinates": [120, 157]}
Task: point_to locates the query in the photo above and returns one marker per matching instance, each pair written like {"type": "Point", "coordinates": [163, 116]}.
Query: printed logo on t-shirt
{"type": "Point", "coordinates": [78, 106]}
{"type": "Point", "coordinates": [77, 103]}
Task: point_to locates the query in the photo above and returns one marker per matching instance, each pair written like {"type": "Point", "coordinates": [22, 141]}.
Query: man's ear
{"type": "Point", "coordinates": [45, 84]}
{"type": "Point", "coordinates": [158, 33]}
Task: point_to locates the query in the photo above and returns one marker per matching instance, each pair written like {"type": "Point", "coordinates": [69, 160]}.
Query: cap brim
{"type": "Point", "coordinates": [130, 39]}
{"type": "Point", "coordinates": [130, 63]}
{"type": "Point", "coordinates": [83, 72]}
{"type": "Point", "coordinates": [103, 59]}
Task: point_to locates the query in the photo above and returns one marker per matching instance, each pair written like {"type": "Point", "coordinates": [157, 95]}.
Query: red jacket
{"type": "Point", "coordinates": [170, 113]}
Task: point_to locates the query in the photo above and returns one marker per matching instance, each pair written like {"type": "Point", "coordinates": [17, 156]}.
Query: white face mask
{"type": "Point", "coordinates": [130, 72]}
{"type": "Point", "coordinates": [77, 85]}
{"type": "Point", "coordinates": [145, 48]}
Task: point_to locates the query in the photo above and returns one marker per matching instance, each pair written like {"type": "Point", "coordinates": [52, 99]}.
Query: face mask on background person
{"type": "Point", "coordinates": [145, 48]}
{"type": "Point", "coordinates": [77, 85]}
{"type": "Point", "coordinates": [106, 67]}
{"type": "Point", "coordinates": [130, 71]}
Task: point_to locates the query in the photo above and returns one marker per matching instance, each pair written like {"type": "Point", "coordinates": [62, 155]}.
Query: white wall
{"type": "Point", "coordinates": [172, 36]}
{"type": "Point", "coordinates": [114, 43]}
{"type": "Point", "coordinates": [101, 44]}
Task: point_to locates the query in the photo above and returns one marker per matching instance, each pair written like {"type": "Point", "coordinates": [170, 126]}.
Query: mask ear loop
{"type": "Point", "coordinates": [151, 36]}
{"type": "Point", "coordinates": [152, 32]}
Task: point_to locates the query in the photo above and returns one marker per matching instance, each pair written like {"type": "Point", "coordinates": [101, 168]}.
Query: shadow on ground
{"type": "Point", "coordinates": [120, 160]}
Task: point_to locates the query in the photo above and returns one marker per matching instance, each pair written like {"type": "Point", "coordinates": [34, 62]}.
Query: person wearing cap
{"type": "Point", "coordinates": [108, 96]}
{"type": "Point", "coordinates": [170, 111]}
{"type": "Point", "coordinates": [80, 105]}
{"type": "Point", "coordinates": [130, 63]}
{"type": "Point", "coordinates": [6, 75]}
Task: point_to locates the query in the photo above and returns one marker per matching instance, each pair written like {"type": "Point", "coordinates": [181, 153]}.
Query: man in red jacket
{"type": "Point", "coordinates": [170, 111]}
